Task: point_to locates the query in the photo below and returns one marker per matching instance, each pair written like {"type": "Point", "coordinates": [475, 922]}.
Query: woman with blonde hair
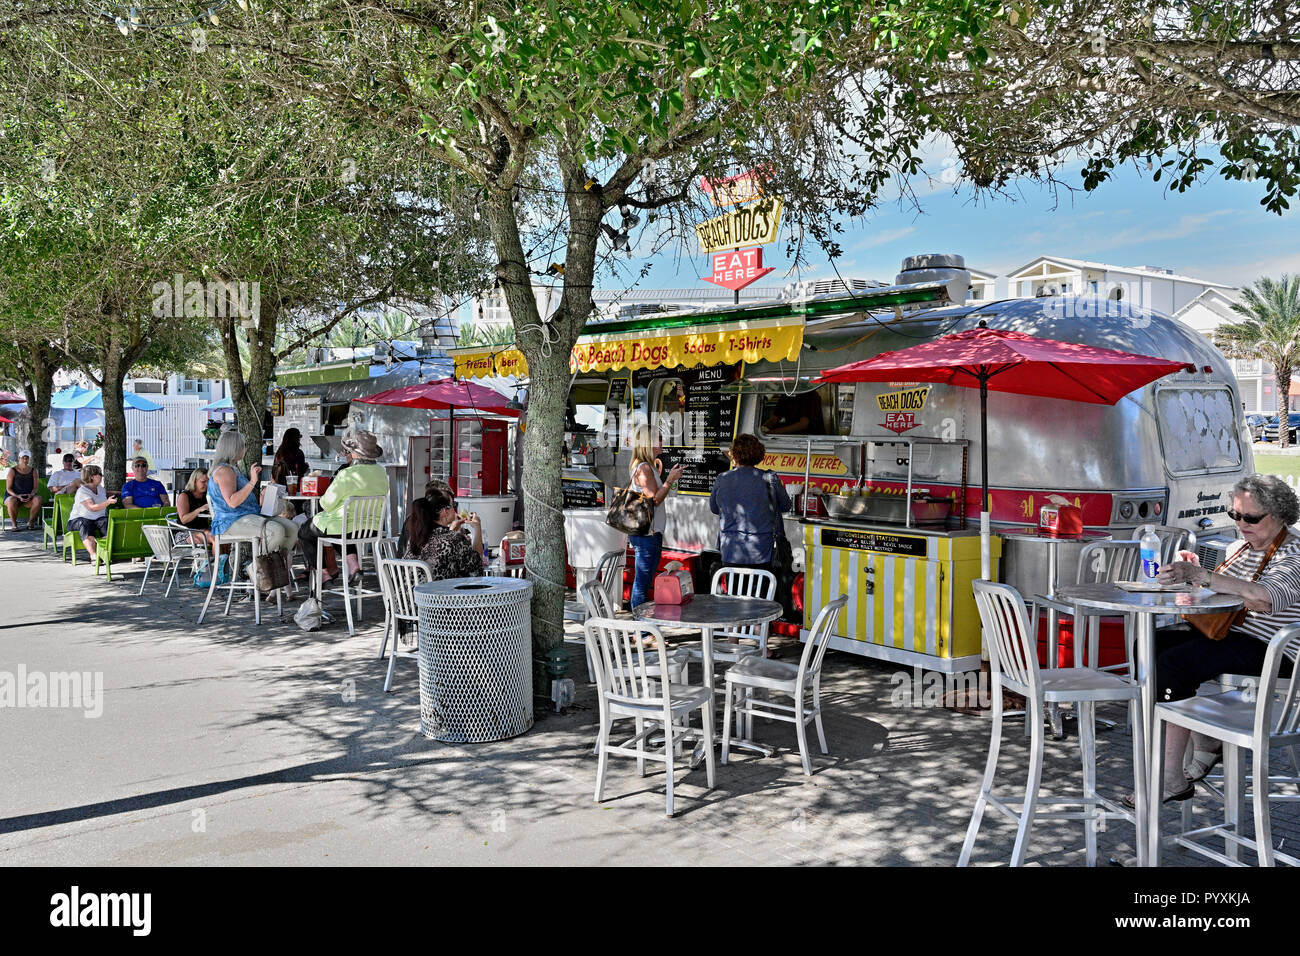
{"type": "Point", "coordinates": [646, 479]}
{"type": "Point", "coordinates": [234, 506]}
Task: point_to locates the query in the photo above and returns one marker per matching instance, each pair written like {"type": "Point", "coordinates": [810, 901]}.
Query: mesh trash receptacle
{"type": "Point", "coordinates": [475, 657]}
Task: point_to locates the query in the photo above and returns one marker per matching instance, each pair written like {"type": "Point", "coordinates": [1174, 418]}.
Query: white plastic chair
{"type": "Point", "coordinates": [625, 689]}
{"type": "Point", "coordinates": [363, 527]}
{"type": "Point", "coordinates": [802, 682]}
{"type": "Point", "coordinates": [169, 549]}
{"type": "Point", "coordinates": [738, 582]}
{"type": "Point", "coordinates": [1013, 662]}
{"type": "Point", "coordinates": [397, 581]}
{"type": "Point", "coordinates": [1256, 718]}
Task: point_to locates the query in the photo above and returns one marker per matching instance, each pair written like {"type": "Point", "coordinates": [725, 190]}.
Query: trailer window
{"type": "Point", "coordinates": [1198, 428]}
{"type": "Point", "coordinates": [824, 411]}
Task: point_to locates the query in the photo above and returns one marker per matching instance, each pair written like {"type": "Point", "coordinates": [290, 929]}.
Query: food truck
{"type": "Point", "coordinates": [902, 540]}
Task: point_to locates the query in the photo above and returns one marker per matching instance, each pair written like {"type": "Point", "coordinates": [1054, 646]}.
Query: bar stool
{"type": "Point", "coordinates": [236, 542]}
{"type": "Point", "coordinates": [1013, 661]}
{"type": "Point", "coordinates": [364, 518]}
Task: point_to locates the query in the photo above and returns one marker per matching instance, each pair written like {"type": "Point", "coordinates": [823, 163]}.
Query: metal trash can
{"type": "Point", "coordinates": [476, 661]}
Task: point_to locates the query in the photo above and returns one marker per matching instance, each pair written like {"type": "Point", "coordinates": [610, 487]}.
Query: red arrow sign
{"type": "Point", "coordinates": [737, 269]}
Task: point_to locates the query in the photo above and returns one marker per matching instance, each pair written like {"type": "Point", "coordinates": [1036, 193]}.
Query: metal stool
{"type": "Point", "coordinates": [236, 542]}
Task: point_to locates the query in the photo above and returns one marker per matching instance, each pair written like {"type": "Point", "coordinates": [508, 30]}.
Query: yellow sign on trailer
{"type": "Point", "coordinates": [910, 597]}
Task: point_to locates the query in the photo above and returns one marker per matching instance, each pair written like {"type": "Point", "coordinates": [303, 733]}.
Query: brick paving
{"type": "Point", "coordinates": [231, 743]}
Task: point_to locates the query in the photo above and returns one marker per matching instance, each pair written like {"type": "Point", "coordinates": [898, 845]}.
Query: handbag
{"type": "Point", "coordinates": [782, 552]}
{"type": "Point", "coordinates": [1217, 626]}
{"type": "Point", "coordinates": [272, 571]}
{"type": "Point", "coordinates": [631, 512]}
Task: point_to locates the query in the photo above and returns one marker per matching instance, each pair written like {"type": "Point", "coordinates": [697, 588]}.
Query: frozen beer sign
{"type": "Point", "coordinates": [736, 269]}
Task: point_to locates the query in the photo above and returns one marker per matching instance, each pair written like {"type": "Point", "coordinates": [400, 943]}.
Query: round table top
{"type": "Point", "coordinates": [1109, 597]}
{"type": "Point", "coordinates": [710, 610]}
{"type": "Point", "coordinates": [1039, 534]}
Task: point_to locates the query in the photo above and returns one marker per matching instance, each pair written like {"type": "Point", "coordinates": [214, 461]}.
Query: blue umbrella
{"type": "Point", "coordinates": [220, 405]}
{"type": "Point", "coordinates": [76, 398]}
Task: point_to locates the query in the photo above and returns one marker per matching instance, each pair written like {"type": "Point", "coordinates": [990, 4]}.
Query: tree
{"type": "Point", "coordinates": [556, 118]}
{"type": "Point", "coordinates": [1269, 329]}
{"type": "Point", "coordinates": [1179, 87]}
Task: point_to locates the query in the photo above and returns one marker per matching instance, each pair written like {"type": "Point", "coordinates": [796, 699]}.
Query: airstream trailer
{"type": "Point", "coordinates": [1167, 454]}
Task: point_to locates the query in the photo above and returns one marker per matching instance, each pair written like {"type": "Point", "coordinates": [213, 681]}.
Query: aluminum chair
{"type": "Point", "coordinates": [1013, 662]}
{"type": "Point", "coordinates": [363, 527]}
{"type": "Point", "coordinates": [597, 602]}
{"type": "Point", "coordinates": [236, 543]}
{"type": "Point", "coordinates": [1100, 562]}
{"type": "Point", "coordinates": [738, 582]}
{"type": "Point", "coordinates": [609, 572]}
{"type": "Point", "coordinates": [169, 549]}
{"type": "Point", "coordinates": [397, 580]}
{"type": "Point", "coordinates": [625, 689]}
{"type": "Point", "coordinates": [802, 682]}
{"type": "Point", "coordinates": [1257, 718]}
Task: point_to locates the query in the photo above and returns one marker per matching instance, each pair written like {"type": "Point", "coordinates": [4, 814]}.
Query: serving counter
{"type": "Point", "coordinates": [909, 590]}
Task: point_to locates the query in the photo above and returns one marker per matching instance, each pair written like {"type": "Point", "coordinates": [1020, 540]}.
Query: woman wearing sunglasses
{"type": "Point", "coordinates": [1263, 569]}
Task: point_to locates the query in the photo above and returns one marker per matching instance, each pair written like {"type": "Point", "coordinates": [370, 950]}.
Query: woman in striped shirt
{"type": "Point", "coordinates": [1264, 508]}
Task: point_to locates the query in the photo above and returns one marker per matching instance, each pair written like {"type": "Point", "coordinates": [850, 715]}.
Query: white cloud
{"type": "Point", "coordinates": [883, 238]}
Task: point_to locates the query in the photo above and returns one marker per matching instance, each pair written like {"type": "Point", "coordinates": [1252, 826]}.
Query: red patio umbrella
{"type": "Point", "coordinates": [445, 393]}
{"type": "Point", "coordinates": [6, 421]}
{"type": "Point", "coordinates": [1014, 362]}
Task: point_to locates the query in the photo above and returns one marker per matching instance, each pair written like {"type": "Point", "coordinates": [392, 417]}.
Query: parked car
{"type": "Point", "coordinates": [1270, 430]}
{"type": "Point", "coordinates": [1256, 424]}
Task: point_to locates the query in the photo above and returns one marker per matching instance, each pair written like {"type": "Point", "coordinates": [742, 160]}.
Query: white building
{"type": "Point", "coordinates": [1148, 287]}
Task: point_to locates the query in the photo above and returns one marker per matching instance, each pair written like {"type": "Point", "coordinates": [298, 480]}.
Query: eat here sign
{"type": "Point", "coordinates": [736, 269]}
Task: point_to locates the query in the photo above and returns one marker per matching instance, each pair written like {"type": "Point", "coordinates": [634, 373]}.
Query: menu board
{"type": "Point", "coordinates": [617, 397]}
{"type": "Point", "coordinates": [699, 420]}
{"type": "Point", "coordinates": [583, 492]}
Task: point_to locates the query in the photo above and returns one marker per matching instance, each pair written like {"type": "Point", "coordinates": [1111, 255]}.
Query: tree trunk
{"type": "Point", "coordinates": [249, 386]}
{"type": "Point", "coordinates": [547, 351]}
{"type": "Point", "coordinates": [113, 373]}
{"type": "Point", "coordinates": [38, 390]}
{"type": "Point", "coordinates": [1283, 376]}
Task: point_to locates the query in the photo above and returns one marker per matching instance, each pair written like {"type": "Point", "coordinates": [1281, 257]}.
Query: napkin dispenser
{"type": "Point", "coordinates": [673, 586]}
{"type": "Point", "coordinates": [1060, 517]}
{"type": "Point", "coordinates": [315, 485]}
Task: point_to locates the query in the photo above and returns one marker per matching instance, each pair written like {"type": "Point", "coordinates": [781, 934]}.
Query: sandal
{"type": "Point", "coordinates": [1130, 800]}
{"type": "Point", "coordinates": [1202, 762]}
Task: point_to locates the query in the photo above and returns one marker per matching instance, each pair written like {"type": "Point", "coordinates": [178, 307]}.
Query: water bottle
{"type": "Point", "coordinates": [1150, 549]}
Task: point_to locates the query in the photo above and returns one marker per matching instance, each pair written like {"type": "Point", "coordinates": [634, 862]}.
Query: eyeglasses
{"type": "Point", "coordinates": [1249, 519]}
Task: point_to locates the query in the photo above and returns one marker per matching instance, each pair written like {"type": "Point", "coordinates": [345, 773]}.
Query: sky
{"type": "Point", "coordinates": [1215, 231]}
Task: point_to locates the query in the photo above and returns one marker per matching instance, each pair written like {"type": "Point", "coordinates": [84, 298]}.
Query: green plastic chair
{"type": "Point", "coordinates": [42, 489]}
{"type": "Point", "coordinates": [57, 521]}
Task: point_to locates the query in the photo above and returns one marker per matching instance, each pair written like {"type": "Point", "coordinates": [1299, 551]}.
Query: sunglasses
{"type": "Point", "coordinates": [1249, 519]}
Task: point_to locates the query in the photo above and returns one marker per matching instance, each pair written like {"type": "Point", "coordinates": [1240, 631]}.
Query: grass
{"type": "Point", "coordinates": [1267, 464]}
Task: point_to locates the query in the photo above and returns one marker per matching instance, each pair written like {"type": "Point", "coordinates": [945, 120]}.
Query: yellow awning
{"type": "Point", "coordinates": [768, 340]}
{"type": "Point", "coordinates": [485, 363]}
{"type": "Point", "coordinates": [761, 340]}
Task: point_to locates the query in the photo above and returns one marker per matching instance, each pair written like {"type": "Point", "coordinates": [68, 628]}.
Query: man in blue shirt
{"type": "Point", "coordinates": [143, 491]}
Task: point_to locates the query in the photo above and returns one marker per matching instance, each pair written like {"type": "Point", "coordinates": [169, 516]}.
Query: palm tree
{"type": "Point", "coordinates": [1270, 330]}
{"type": "Point", "coordinates": [487, 336]}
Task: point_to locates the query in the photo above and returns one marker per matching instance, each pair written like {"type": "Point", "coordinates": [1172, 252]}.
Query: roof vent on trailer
{"type": "Point", "coordinates": [807, 288]}
{"type": "Point", "coordinates": [937, 267]}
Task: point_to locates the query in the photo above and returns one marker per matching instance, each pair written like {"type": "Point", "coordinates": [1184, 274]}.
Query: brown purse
{"type": "Point", "coordinates": [1217, 626]}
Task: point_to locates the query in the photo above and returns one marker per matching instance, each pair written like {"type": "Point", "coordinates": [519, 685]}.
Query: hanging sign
{"type": "Point", "coordinates": [751, 225]}
{"type": "Point", "coordinates": [732, 190]}
{"type": "Point", "coordinates": [735, 270]}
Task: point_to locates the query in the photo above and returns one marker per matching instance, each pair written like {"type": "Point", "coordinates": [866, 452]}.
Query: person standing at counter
{"type": "Point", "coordinates": [645, 479]}
{"type": "Point", "coordinates": [361, 479]}
{"type": "Point", "coordinates": [749, 504]}
{"type": "Point", "coordinates": [291, 456]}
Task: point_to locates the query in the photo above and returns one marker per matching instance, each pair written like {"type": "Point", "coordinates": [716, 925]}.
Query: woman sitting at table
{"type": "Point", "coordinates": [1263, 507]}
{"type": "Point", "coordinates": [436, 536]}
{"type": "Point", "coordinates": [192, 508]}
{"type": "Point", "coordinates": [234, 506]}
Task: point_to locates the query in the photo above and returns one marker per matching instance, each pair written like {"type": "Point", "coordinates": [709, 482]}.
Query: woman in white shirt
{"type": "Point", "coordinates": [88, 517]}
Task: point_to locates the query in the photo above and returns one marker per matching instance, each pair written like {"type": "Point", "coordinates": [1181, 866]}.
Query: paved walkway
{"type": "Point", "coordinates": [229, 743]}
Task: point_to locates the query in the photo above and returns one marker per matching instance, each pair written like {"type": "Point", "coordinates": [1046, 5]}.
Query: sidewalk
{"type": "Point", "coordinates": [230, 743]}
